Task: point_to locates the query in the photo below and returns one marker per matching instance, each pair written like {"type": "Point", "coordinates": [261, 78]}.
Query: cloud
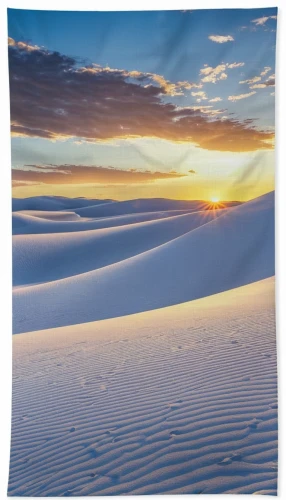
{"type": "Point", "coordinates": [201, 96]}
{"type": "Point", "coordinates": [22, 45]}
{"type": "Point", "coordinates": [212, 75]}
{"type": "Point", "coordinates": [208, 110]}
{"type": "Point", "coordinates": [270, 82]}
{"type": "Point", "coordinates": [192, 172]}
{"type": "Point", "coordinates": [215, 99]}
{"type": "Point", "coordinates": [265, 71]}
{"type": "Point", "coordinates": [172, 89]}
{"type": "Point", "coordinates": [241, 96]}
{"type": "Point", "coordinates": [16, 184]}
{"type": "Point", "coordinates": [81, 174]}
{"type": "Point", "coordinates": [235, 65]}
{"type": "Point", "coordinates": [262, 20]}
{"type": "Point", "coordinates": [221, 38]}
{"type": "Point", "coordinates": [56, 98]}
{"type": "Point", "coordinates": [251, 80]}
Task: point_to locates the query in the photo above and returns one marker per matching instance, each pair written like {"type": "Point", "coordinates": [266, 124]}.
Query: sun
{"type": "Point", "coordinates": [214, 199]}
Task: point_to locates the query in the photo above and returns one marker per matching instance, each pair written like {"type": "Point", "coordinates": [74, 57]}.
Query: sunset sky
{"type": "Point", "coordinates": [121, 105]}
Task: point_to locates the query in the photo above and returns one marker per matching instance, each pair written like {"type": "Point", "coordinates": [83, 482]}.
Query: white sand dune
{"type": "Point", "coordinates": [30, 222]}
{"type": "Point", "coordinates": [52, 203]}
{"type": "Point", "coordinates": [46, 257]}
{"type": "Point", "coordinates": [177, 400]}
{"type": "Point", "coordinates": [143, 205]}
{"type": "Point", "coordinates": [235, 249]}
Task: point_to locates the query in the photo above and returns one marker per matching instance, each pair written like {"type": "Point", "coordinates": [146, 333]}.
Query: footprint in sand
{"type": "Point", "coordinates": [254, 423]}
{"type": "Point", "coordinates": [175, 405]}
{"type": "Point", "coordinates": [174, 433]}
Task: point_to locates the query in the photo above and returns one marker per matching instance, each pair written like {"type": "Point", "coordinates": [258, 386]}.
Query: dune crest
{"type": "Point", "coordinates": [231, 250]}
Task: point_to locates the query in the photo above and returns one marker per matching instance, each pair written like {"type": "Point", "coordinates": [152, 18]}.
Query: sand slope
{"type": "Point", "coordinates": [30, 222]}
{"type": "Point", "coordinates": [46, 257]}
{"type": "Point", "coordinates": [234, 249]}
{"type": "Point", "coordinates": [177, 400]}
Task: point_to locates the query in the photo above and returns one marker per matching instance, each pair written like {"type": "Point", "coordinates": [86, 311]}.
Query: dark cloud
{"type": "Point", "coordinates": [53, 97]}
{"type": "Point", "coordinates": [192, 172]}
{"type": "Point", "coordinates": [80, 174]}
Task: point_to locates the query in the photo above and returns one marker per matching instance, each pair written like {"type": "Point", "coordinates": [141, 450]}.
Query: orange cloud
{"type": "Point", "coordinates": [52, 97]}
{"type": "Point", "coordinates": [81, 174]}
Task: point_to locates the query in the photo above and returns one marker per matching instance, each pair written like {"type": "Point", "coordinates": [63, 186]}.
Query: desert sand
{"type": "Point", "coordinates": [144, 354]}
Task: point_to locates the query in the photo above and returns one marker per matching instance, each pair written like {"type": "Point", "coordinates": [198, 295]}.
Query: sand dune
{"type": "Point", "coordinates": [52, 203]}
{"type": "Point", "coordinates": [29, 222]}
{"type": "Point", "coordinates": [47, 257]}
{"type": "Point", "coordinates": [177, 400]}
{"type": "Point", "coordinates": [235, 249]}
{"type": "Point", "coordinates": [143, 205]}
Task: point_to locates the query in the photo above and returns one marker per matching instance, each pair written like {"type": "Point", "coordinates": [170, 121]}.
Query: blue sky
{"type": "Point", "coordinates": [179, 46]}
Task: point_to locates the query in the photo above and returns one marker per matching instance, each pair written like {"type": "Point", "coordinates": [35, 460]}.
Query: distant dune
{"type": "Point", "coordinates": [52, 203]}
{"type": "Point", "coordinates": [86, 207]}
{"type": "Point", "coordinates": [177, 400]}
{"type": "Point", "coordinates": [140, 268]}
{"type": "Point", "coordinates": [30, 222]}
{"type": "Point", "coordinates": [144, 205]}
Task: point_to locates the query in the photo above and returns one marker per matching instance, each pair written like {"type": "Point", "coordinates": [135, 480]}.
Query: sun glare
{"type": "Point", "coordinates": [214, 199]}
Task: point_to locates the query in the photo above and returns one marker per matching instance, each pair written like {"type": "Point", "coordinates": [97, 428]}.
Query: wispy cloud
{"type": "Point", "coordinates": [54, 97]}
{"type": "Point", "coordinates": [212, 75]}
{"type": "Point", "coordinates": [235, 65]}
{"type": "Point", "coordinates": [215, 99]}
{"type": "Point", "coordinates": [221, 38]}
{"type": "Point", "coordinates": [201, 96]}
{"type": "Point", "coordinates": [208, 110]}
{"type": "Point", "coordinates": [262, 20]}
{"type": "Point", "coordinates": [81, 174]}
{"type": "Point", "coordinates": [265, 71]}
{"type": "Point", "coordinates": [240, 96]}
{"type": "Point", "coordinates": [251, 80]}
{"type": "Point", "coordinates": [270, 82]}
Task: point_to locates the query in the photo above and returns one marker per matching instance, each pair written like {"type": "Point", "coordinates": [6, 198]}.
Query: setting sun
{"type": "Point", "coordinates": [214, 199]}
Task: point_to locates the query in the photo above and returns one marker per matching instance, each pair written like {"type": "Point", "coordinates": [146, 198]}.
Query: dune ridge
{"type": "Point", "coordinates": [49, 257]}
{"type": "Point", "coordinates": [231, 250]}
{"type": "Point", "coordinates": [47, 203]}
{"type": "Point", "coordinates": [27, 223]}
